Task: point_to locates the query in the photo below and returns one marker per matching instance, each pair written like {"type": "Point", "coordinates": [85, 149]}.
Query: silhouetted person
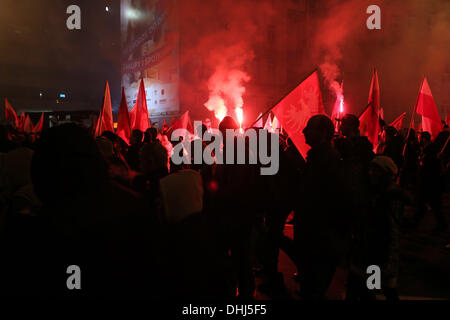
{"type": "Point", "coordinates": [392, 145]}
{"type": "Point", "coordinates": [234, 212]}
{"type": "Point", "coordinates": [409, 170]}
{"type": "Point", "coordinates": [86, 220]}
{"type": "Point", "coordinates": [282, 189]}
{"type": "Point", "coordinates": [379, 237]}
{"type": "Point", "coordinates": [150, 135]}
{"type": "Point", "coordinates": [431, 184]}
{"type": "Point", "coordinates": [132, 155]}
{"type": "Point", "coordinates": [322, 223]}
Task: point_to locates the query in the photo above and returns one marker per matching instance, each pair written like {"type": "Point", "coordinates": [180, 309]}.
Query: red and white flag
{"type": "Point", "coordinates": [398, 123]}
{"type": "Point", "coordinates": [370, 119]}
{"type": "Point", "coordinates": [123, 120]}
{"type": "Point", "coordinates": [139, 113]}
{"type": "Point", "coordinates": [11, 115]}
{"type": "Point", "coordinates": [426, 107]}
{"type": "Point", "coordinates": [294, 111]}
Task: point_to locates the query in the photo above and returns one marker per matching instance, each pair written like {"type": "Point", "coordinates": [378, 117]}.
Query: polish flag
{"type": "Point", "coordinates": [294, 111]}
{"type": "Point", "coordinates": [123, 120]}
{"type": "Point", "coordinates": [426, 107]}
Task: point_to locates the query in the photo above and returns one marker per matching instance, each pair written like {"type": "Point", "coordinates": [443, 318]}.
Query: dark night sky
{"type": "Point", "coordinates": [39, 53]}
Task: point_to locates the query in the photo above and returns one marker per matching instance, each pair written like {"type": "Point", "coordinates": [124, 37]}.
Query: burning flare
{"type": "Point", "coordinates": [225, 91]}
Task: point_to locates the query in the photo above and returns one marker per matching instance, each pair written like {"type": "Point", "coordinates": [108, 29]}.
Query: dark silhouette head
{"type": "Point", "coordinates": [150, 135]}
{"type": "Point", "coordinates": [67, 165]}
{"type": "Point", "coordinates": [136, 136]}
{"type": "Point", "coordinates": [319, 130]}
{"type": "Point", "coordinates": [228, 123]}
{"type": "Point", "coordinates": [152, 157]}
{"type": "Point", "coordinates": [350, 125]}
{"type": "Point", "coordinates": [425, 137]}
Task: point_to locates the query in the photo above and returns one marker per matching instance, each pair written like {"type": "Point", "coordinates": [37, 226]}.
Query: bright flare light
{"type": "Point", "coordinates": [240, 116]}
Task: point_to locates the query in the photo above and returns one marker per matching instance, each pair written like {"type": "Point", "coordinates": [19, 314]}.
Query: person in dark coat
{"type": "Point", "coordinates": [322, 223]}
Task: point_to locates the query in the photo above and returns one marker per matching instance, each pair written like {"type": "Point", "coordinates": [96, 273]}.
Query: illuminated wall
{"type": "Point", "coordinates": [150, 50]}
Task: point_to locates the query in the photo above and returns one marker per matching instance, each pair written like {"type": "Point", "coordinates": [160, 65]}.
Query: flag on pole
{"type": "Point", "coordinates": [426, 107]}
{"type": "Point", "coordinates": [38, 127]}
{"type": "Point", "coordinates": [139, 115]}
{"type": "Point", "coordinates": [294, 111]}
{"type": "Point", "coordinates": [27, 124]}
{"type": "Point", "coordinates": [21, 121]}
{"type": "Point", "coordinates": [105, 122]}
{"type": "Point", "coordinates": [398, 123]}
{"type": "Point", "coordinates": [11, 115]}
{"type": "Point", "coordinates": [184, 122]}
{"type": "Point", "coordinates": [123, 120]}
{"type": "Point", "coordinates": [370, 119]}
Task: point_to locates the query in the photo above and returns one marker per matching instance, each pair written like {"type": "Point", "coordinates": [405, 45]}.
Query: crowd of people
{"type": "Point", "coordinates": [139, 225]}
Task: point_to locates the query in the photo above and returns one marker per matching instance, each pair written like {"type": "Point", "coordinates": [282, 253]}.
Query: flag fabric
{"type": "Point", "coordinates": [140, 112]}
{"type": "Point", "coordinates": [27, 124]}
{"type": "Point", "coordinates": [268, 125]}
{"type": "Point", "coordinates": [38, 127]}
{"type": "Point", "coordinates": [398, 123]}
{"type": "Point", "coordinates": [10, 114]}
{"type": "Point", "coordinates": [426, 107]}
{"type": "Point", "coordinates": [369, 120]}
{"type": "Point", "coordinates": [132, 115]}
{"type": "Point", "coordinates": [448, 119]}
{"type": "Point", "coordinates": [123, 120]}
{"type": "Point", "coordinates": [21, 121]}
{"type": "Point", "coordinates": [106, 122]}
{"type": "Point", "coordinates": [184, 122]}
{"type": "Point", "coordinates": [294, 111]}
{"type": "Point", "coordinates": [259, 123]}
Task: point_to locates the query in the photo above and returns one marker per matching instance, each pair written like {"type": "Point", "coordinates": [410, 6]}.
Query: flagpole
{"type": "Point", "coordinates": [365, 108]}
{"type": "Point", "coordinates": [284, 96]}
{"type": "Point", "coordinates": [412, 118]}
